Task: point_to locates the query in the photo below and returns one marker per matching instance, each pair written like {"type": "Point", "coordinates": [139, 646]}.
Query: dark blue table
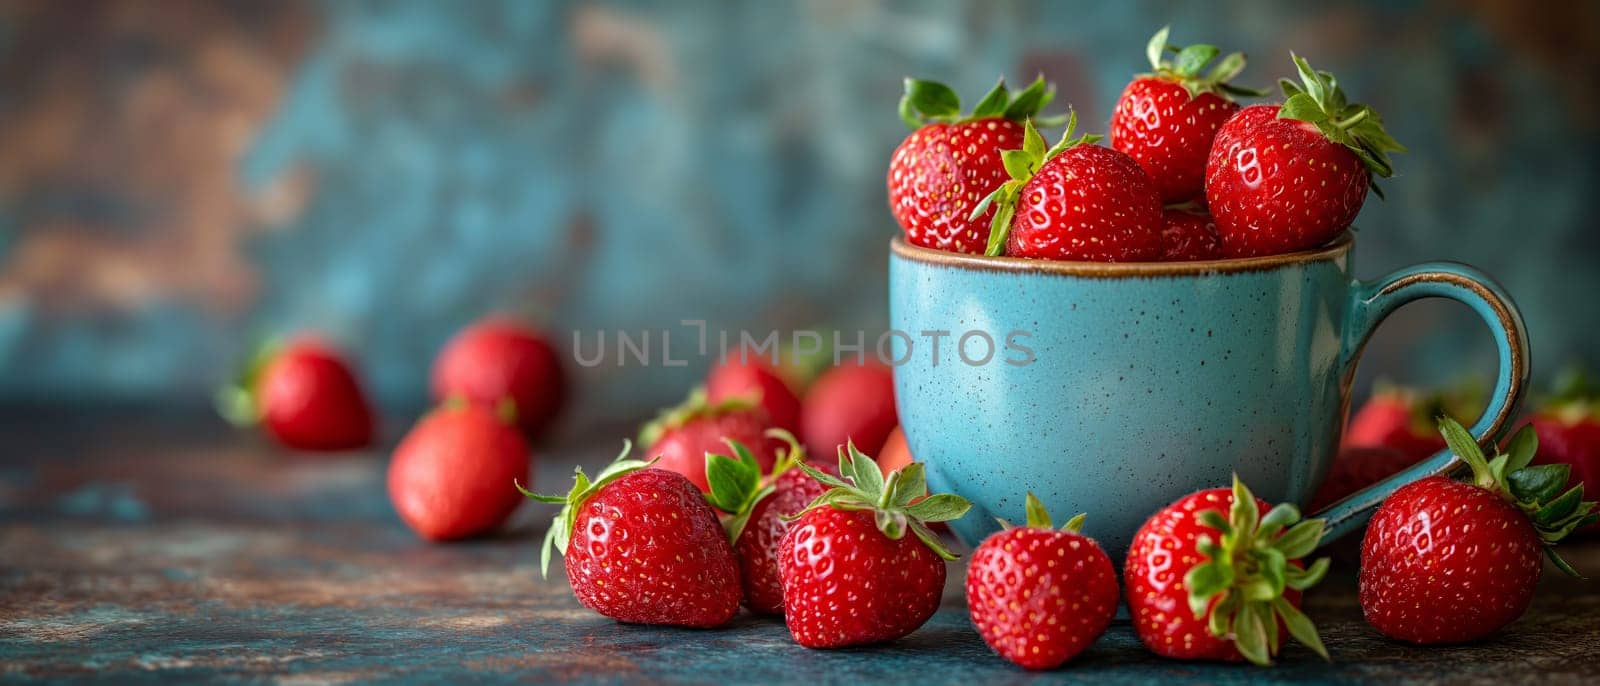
{"type": "Point", "coordinates": [159, 547]}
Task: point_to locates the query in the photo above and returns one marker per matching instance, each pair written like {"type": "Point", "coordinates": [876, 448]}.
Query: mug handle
{"type": "Point", "coordinates": [1373, 301]}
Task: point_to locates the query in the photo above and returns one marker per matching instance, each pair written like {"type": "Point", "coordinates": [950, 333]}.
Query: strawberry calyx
{"type": "Point", "coordinates": [1188, 68]}
{"type": "Point", "coordinates": [237, 402]}
{"type": "Point", "coordinates": [1247, 569]}
{"type": "Point", "coordinates": [1424, 408]}
{"type": "Point", "coordinates": [696, 406]}
{"type": "Point", "coordinates": [1039, 517]}
{"type": "Point", "coordinates": [561, 526]}
{"type": "Point", "coordinates": [1021, 165]}
{"type": "Point", "coordinates": [899, 502]}
{"type": "Point", "coordinates": [1317, 100]}
{"type": "Point", "coordinates": [737, 484]}
{"type": "Point", "coordinates": [1534, 489]}
{"type": "Point", "coordinates": [929, 102]}
{"type": "Point", "coordinates": [1575, 399]}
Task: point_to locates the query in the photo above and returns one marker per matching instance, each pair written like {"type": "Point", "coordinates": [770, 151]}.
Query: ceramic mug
{"type": "Point", "coordinates": [1150, 381]}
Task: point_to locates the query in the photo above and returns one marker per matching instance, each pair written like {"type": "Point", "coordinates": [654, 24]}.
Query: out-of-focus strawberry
{"type": "Point", "coordinates": [755, 380]}
{"type": "Point", "coordinates": [497, 358]}
{"type": "Point", "coordinates": [304, 394]}
{"type": "Point", "coordinates": [1406, 420]}
{"type": "Point", "coordinates": [680, 437]}
{"type": "Point", "coordinates": [851, 402]}
{"type": "Point", "coordinates": [454, 474]}
{"type": "Point", "coordinates": [1356, 468]}
{"type": "Point", "coordinates": [896, 453]}
{"type": "Point", "coordinates": [1568, 425]}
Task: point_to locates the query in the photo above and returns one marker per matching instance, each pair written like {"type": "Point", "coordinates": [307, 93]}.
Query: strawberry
{"type": "Point", "coordinates": [753, 379]}
{"type": "Point", "coordinates": [1204, 587]}
{"type": "Point", "coordinates": [1405, 419]}
{"type": "Point", "coordinates": [305, 395]}
{"type": "Point", "coordinates": [1075, 201]}
{"type": "Point", "coordinates": [642, 546]}
{"type": "Point", "coordinates": [1038, 595]}
{"type": "Point", "coordinates": [851, 575]}
{"type": "Point", "coordinates": [452, 475]}
{"type": "Point", "coordinates": [1448, 562]}
{"type": "Point", "coordinates": [1568, 426]}
{"type": "Point", "coordinates": [895, 453]}
{"type": "Point", "coordinates": [1186, 235]}
{"type": "Point", "coordinates": [851, 402]}
{"type": "Point", "coordinates": [680, 437]}
{"type": "Point", "coordinates": [950, 162]}
{"type": "Point", "coordinates": [758, 513]}
{"type": "Point", "coordinates": [1165, 120]}
{"type": "Point", "coordinates": [1355, 468]}
{"type": "Point", "coordinates": [1289, 178]}
{"type": "Point", "coordinates": [497, 358]}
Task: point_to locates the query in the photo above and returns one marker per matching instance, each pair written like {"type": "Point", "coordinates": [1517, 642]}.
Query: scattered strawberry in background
{"type": "Point", "coordinates": [1568, 426]}
{"type": "Point", "coordinates": [680, 437]}
{"type": "Point", "coordinates": [851, 402]}
{"type": "Point", "coordinates": [851, 573]}
{"type": "Point", "coordinates": [1356, 468]}
{"type": "Point", "coordinates": [758, 507]}
{"type": "Point", "coordinates": [1188, 235]}
{"type": "Point", "coordinates": [948, 164]}
{"type": "Point", "coordinates": [1293, 177]}
{"type": "Point", "coordinates": [643, 546]}
{"type": "Point", "coordinates": [751, 378]}
{"type": "Point", "coordinates": [1040, 595]}
{"type": "Point", "coordinates": [1406, 420]}
{"type": "Point", "coordinates": [1075, 201]}
{"type": "Point", "coordinates": [1166, 120]}
{"type": "Point", "coordinates": [1204, 586]}
{"type": "Point", "coordinates": [1447, 562]}
{"type": "Point", "coordinates": [454, 474]}
{"type": "Point", "coordinates": [304, 394]}
{"type": "Point", "coordinates": [497, 358]}
{"type": "Point", "coordinates": [896, 453]}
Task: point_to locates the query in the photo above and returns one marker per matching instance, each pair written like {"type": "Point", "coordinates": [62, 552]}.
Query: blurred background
{"type": "Point", "coordinates": [179, 179]}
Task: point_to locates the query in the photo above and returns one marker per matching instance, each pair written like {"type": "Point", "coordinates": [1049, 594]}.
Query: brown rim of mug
{"type": "Point", "coordinates": [1335, 249]}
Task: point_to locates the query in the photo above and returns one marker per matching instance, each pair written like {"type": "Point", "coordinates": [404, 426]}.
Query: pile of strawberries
{"type": "Point", "coordinates": [1190, 175]}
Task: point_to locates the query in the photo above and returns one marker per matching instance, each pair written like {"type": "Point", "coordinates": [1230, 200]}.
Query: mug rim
{"type": "Point", "coordinates": [1334, 249]}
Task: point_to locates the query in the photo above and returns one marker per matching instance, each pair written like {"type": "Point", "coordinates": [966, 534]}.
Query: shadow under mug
{"type": "Point", "coordinates": [1145, 382]}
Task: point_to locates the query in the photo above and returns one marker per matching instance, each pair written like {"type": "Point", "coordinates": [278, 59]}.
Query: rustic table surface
{"type": "Point", "coordinates": [149, 547]}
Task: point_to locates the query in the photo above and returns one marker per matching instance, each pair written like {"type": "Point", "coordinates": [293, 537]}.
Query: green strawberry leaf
{"type": "Point", "coordinates": [1538, 484]}
{"type": "Point", "coordinates": [994, 103]}
{"type": "Point", "coordinates": [940, 507]}
{"type": "Point", "coordinates": [1030, 101]}
{"type": "Point", "coordinates": [1156, 47]}
{"type": "Point", "coordinates": [1523, 446]}
{"type": "Point", "coordinates": [1038, 517]}
{"type": "Point", "coordinates": [1300, 627]}
{"type": "Point", "coordinates": [1191, 59]}
{"type": "Point", "coordinates": [932, 99]}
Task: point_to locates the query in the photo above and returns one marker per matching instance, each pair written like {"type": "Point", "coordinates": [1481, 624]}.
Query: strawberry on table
{"type": "Point", "coordinates": [304, 393]}
{"type": "Point", "coordinates": [851, 402]}
{"type": "Point", "coordinates": [454, 474]}
{"type": "Point", "coordinates": [1448, 562]}
{"type": "Point", "coordinates": [642, 546]}
{"type": "Point", "coordinates": [753, 379]}
{"type": "Point", "coordinates": [758, 509]}
{"type": "Point", "coordinates": [1075, 201]}
{"type": "Point", "coordinates": [1201, 586]}
{"type": "Point", "coordinates": [851, 574]}
{"type": "Point", "coordinates": [1292, 177]}
{"type": "Point", "coordinates": [497, 358]}
{"type": "Point", "coordinates": [1165, 120]}
{"type": "Point", "coordinates": [1040, 595]}
{"type": "Point", "coordinates": [680, 437]}
{"type": "Point", "coordinates": [950, 161]}
{"type": "Point", "coordinates": [1355, 468]}
{"type": "Point", "coordinates": [1568, 426]}
{"type": "Point", "coordinates": [1188, 235]}
{"type": "Point", "coordinates": [1407, 419]}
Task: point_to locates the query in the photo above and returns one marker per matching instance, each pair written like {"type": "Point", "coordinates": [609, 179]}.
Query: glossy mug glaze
{"type": "Point", "coordinates": [1150, 381]}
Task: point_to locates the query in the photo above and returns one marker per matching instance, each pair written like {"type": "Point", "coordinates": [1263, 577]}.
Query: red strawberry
{"type": "Point", "coordinates": [851, 575]}
{"type": "Point", "coordinates": [681, 436]}
{"type": "Point", "coordinates": [1204, 587]}
{"type": "Point", "coordinates": [852, 402]}
{"type": "Point", "coordinates": [1165, 120]}
{"type": "Point", "coordinates": [305, 395]}
{"type": "Point", "coordinates": [753, 379]}
{"type": "Point", "coordinates": [453, 474]}
{"type": "Point", "coordinates": [642, 546]}
{"type": "Point", "coordinates": [1039, 596]}
{"type": "Point", "coordinates": [496, 359]}
{"type": "Point", "coordinates": [759, 513]}
{"type": "Point", "coordinates": [1188, 236]}
{"type": "Point", "coordinates": [895, 453]}
{"type": "Point", "coordinates": [1289, 178]}
{"type": "Point", "coordinates": [1356, 468]}
{"type": "Point", "coordinates": [1075, 201]}
{"type": "Point", "coordinates": [1568, 426]}
{"type": "Point", "coordinates": [1447, 562]}
{"type": "Point", "coordinates": [1406, 419]}
{"type": "Point", "coordinates": [950, 162]}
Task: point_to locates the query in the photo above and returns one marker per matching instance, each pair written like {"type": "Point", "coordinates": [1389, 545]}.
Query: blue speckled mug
{"type": "Point", "coordinates": [1151, 381]}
